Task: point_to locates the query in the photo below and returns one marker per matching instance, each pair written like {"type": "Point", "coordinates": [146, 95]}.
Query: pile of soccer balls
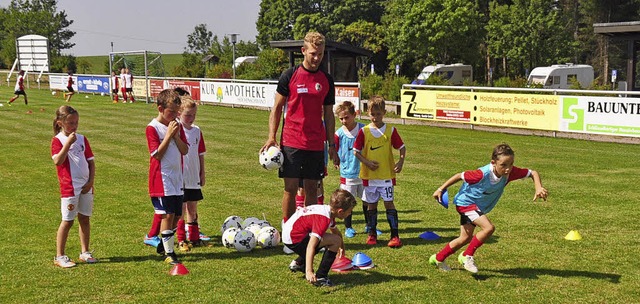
{"type": "Point", "coordinates": [244, 235]}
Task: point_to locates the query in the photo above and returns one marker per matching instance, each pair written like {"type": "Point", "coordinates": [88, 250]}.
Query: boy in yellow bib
{"type": "Point", "coordinates": [374, 149]}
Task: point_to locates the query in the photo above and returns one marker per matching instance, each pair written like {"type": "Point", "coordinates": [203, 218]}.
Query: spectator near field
{"type": "Point", "coordinates": [70, 90]}
{"type": "Point", "coordinates": [19, 89]}
{"type": "Point", "coordinates": [480, 192]}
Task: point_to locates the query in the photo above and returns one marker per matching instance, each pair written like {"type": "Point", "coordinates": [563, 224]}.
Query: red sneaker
{"type": "Point", "coordinates": [395, 242]}
{"type": "Point", "coordinates": [372, 240]}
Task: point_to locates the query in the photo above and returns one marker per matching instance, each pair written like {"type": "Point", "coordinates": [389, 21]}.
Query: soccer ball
{"type": "Point", "coordinates": [263, 223]}
{"type": "Point", "coordinates": [271, 158]}
{"type": "Point", "coordinates": [53, 92]}
{"type": "Point", "coordinates": [244, 241]}
{"type": "Point", "coordinates": [228, 236]}
{"type": "Point", "coordinates": [248, 221]}
{"type": "Point", "coordinates": [254, 228]}
{"type": "Point", "coordinates": [232, 221]}
{"type": "Point", "coordinates": [102, 94]}
{"type": "Point", "coordinates": [268, 237]}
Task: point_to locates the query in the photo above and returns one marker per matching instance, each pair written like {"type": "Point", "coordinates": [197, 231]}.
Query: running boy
{"type": "Point", "coordinates": [304, 233]}
{"type": "Point", "coordinates": [167, 143]}
{"type": "Point", "coordinates": [73, 158]}
{"type": "Point", "coordinates": [349, 164]}
{"type": "Point", "coordinates": [194, 178]}
{"type": "Point", "coordinates": [19, 89]}
{"type": "Point", "coordinates": [373, 148]}
{"type": "Point", "coordinates": [479, 193]}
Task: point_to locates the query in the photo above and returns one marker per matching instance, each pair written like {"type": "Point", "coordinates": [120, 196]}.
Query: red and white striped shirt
{"type": "Point", "coordinates": [165, 176]}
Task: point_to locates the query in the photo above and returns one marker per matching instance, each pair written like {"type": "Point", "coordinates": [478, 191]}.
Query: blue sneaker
{"type": "Point", "coordinates": [153, 241]}
{"type": "Point", "coordinates": [204, 237]}
{"type": "Point", "coordinates": [367, 228]}
{"type": "Point", "coordinates": [350, 232]}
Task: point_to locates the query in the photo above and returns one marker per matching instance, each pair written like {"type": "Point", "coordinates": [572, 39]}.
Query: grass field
{"type": "Point", "coordinates": [97, 63]}
{"type": "Point", "coordinates": [592, 185]}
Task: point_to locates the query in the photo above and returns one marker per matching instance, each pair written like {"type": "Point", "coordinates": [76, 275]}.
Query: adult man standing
{"type": "Point", "coordinates": [305, 95]}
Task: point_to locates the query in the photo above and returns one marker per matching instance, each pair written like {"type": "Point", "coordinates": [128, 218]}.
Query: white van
{"type": "Point", "coordinates": [245, 59]}
{"type": "Point", "coordinates": [560, 76]}
{"type": "Point", "coordinates": [455, 73]}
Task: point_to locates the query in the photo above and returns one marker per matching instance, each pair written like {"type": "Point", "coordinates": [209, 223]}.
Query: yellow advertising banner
{"type": "Point", "coordinates": [529, 111]}
{"type": "Point", "coordinates": [139, 87]}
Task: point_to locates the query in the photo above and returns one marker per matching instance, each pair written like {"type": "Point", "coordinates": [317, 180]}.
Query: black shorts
{"type": "Point", "coordinates": [20, 92]}
{"type": "Point", "coordinates": [114, 91]}
{"type": "Point", "coordinates": [129, 90]}
{"type": "Point", "coordinates": [301, 248]}
{"type": "Point", "coordinates": [468, 216]}
{"type": "Point", "coordinates": [168, 204]}
{"type": "Point", "coordinates": [302, 164]}
{"type": "Point", "coordinates": [192, 195]}
{"type": "Point", "coordinates": [70, 89]}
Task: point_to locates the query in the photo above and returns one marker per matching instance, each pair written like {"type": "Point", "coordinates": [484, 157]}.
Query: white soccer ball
{"type": "Point", "coordinates": [254, 228]}
{"type": "Point", "coordinates": [86, 96]}
{"type": "Point", "coordinates": [244, 241]}
{"type": "Point", "coordinates": [268, 237]}
{"type": "Point", "coordinates": [102, 94]}
{"type": "Point", "coordinates": [53, 92]}
{"type": "Point", "coordinates": [228, 236]}
{"type": "Point", "coordinates": [232, 221]}
{"type": "Point", "coordinates": [271, 158]}
{"type": "Point", "coordinates": [263, 223]}
{"type": "Point", "coordinates": [248, 221]}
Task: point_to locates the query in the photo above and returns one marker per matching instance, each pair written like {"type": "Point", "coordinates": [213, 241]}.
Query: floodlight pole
{"type": "Point", "coordinates": [234, 39]}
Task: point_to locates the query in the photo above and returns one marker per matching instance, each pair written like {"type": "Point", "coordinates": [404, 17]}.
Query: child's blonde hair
{"type": "Point", "coordinates": [166, 97]}
{"type": "Point", "coordinates": [502, 149]}
{"type": "Point", "coordinates": [314, 38]}
{"type": "Point", "coordinates": [346, 106]}
{"type": "Point", "coordinates": [187, 103]}
{"type": "Point", "coordinates": [376, 102]}
{"type": "Point", "coordinates": [342, 199]}
{"type": "Point", "coordinates": [61, 114]}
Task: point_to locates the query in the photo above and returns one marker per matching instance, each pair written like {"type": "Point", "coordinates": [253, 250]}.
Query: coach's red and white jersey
{"type": "Point", "coordinates": [73, 173]}
{"type": "Point", "coordinates": [192, 158]}
{"type": "Point", "coordinates": [128, 81]}
{"type": "Point", "coordinates": [165, 175]}
{"type": "Point", "coordinates": [312, 220]}
{"type": "Point", "coordinates": [20, 83]}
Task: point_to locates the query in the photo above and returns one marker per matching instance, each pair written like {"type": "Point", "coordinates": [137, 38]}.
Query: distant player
{"type": "Point", "coordinates": [70, 90]}
{"type": "Point", "coordinates": [19, 88]}
{"type": "Point", "coordinates": [480, 192]}
{"type": "Point", "coordinates": [115, 84]}
{"type": "Point", "coordinates": [128, 84]}
{"type": "Point", "coordinates": [123, 88]}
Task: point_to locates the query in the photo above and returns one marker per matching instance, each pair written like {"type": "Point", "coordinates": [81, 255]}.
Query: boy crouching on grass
{"type": "Point", "coordinates": [478, 195]}
{"type": "Point", "coordinates": [304, 233]}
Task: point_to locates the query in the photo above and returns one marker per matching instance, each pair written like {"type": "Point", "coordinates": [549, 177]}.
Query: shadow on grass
{"type": "Point", "coordinates": [535, 273]}
{"type": "Point", "coordinates": [193, 256]}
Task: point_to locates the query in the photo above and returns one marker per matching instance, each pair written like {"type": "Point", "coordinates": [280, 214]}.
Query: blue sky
{"type": "Point", "coordinates": [159, 25]}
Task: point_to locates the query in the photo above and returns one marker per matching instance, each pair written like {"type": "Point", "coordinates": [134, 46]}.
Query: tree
{"type": "Point", "coordinates": [199, 42]}
{"type": "Point", "coordinates": [424, 32]}
{"type": "Point", "coordinates": [40, 17]}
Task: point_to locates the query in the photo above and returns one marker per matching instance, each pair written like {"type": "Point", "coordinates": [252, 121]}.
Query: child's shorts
{"type": "Point", "coordinates": [356, 190]}
{"type": "Point", "coordinates": [192, 195]}
{"type": "Point", "coordinates": [168, 204]}
{"type": "Point", "coordinates": [374, 193]}
{"type": "Point", "coordinates": [71, 206]}
{"type": "Point", "coordinates": [468, 214]}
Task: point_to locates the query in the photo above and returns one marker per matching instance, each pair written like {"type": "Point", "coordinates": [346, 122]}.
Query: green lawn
{"type": "Point", "coordinates": [592, 186]}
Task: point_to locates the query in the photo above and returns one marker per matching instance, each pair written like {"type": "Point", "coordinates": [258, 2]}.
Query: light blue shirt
{"type": "Point", "coordinates": [483, 193]}
{"type": "Point", "coordinates": [349, 164]}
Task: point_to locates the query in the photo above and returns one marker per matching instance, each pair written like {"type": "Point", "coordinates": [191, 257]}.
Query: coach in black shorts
{"type": "Point", "coordinates": [309, 95]}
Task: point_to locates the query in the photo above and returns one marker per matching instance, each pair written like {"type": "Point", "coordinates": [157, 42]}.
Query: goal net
{"type": "Point", "coordinates": [141, 64]}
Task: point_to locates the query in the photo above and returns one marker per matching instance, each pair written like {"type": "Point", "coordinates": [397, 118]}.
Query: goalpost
{"type": "Point", "coordinates": [141, 64]}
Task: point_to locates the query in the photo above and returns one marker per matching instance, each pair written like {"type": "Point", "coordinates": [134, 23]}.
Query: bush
{"type": "Point", "coordinates": [388, 86]}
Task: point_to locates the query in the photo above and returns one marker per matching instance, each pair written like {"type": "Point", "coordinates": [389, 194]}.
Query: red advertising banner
{"type": "Point", "coordinates": [193, 87]}
{"type": "Point", "coordinates": [155, 87]}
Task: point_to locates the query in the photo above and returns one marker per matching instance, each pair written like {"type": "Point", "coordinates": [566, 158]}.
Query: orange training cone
{"type": "Point", "coordinates": [179, 269]}
{"type": "Point", "coordinates": [573, 235]}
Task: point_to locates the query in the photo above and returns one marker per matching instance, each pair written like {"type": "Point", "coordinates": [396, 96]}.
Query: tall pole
{"type": "Point", "coordinates": [234, 39]}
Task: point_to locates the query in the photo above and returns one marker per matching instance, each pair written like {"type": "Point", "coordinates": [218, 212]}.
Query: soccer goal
{"type": "Point", "coordinates": [141, 64]}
